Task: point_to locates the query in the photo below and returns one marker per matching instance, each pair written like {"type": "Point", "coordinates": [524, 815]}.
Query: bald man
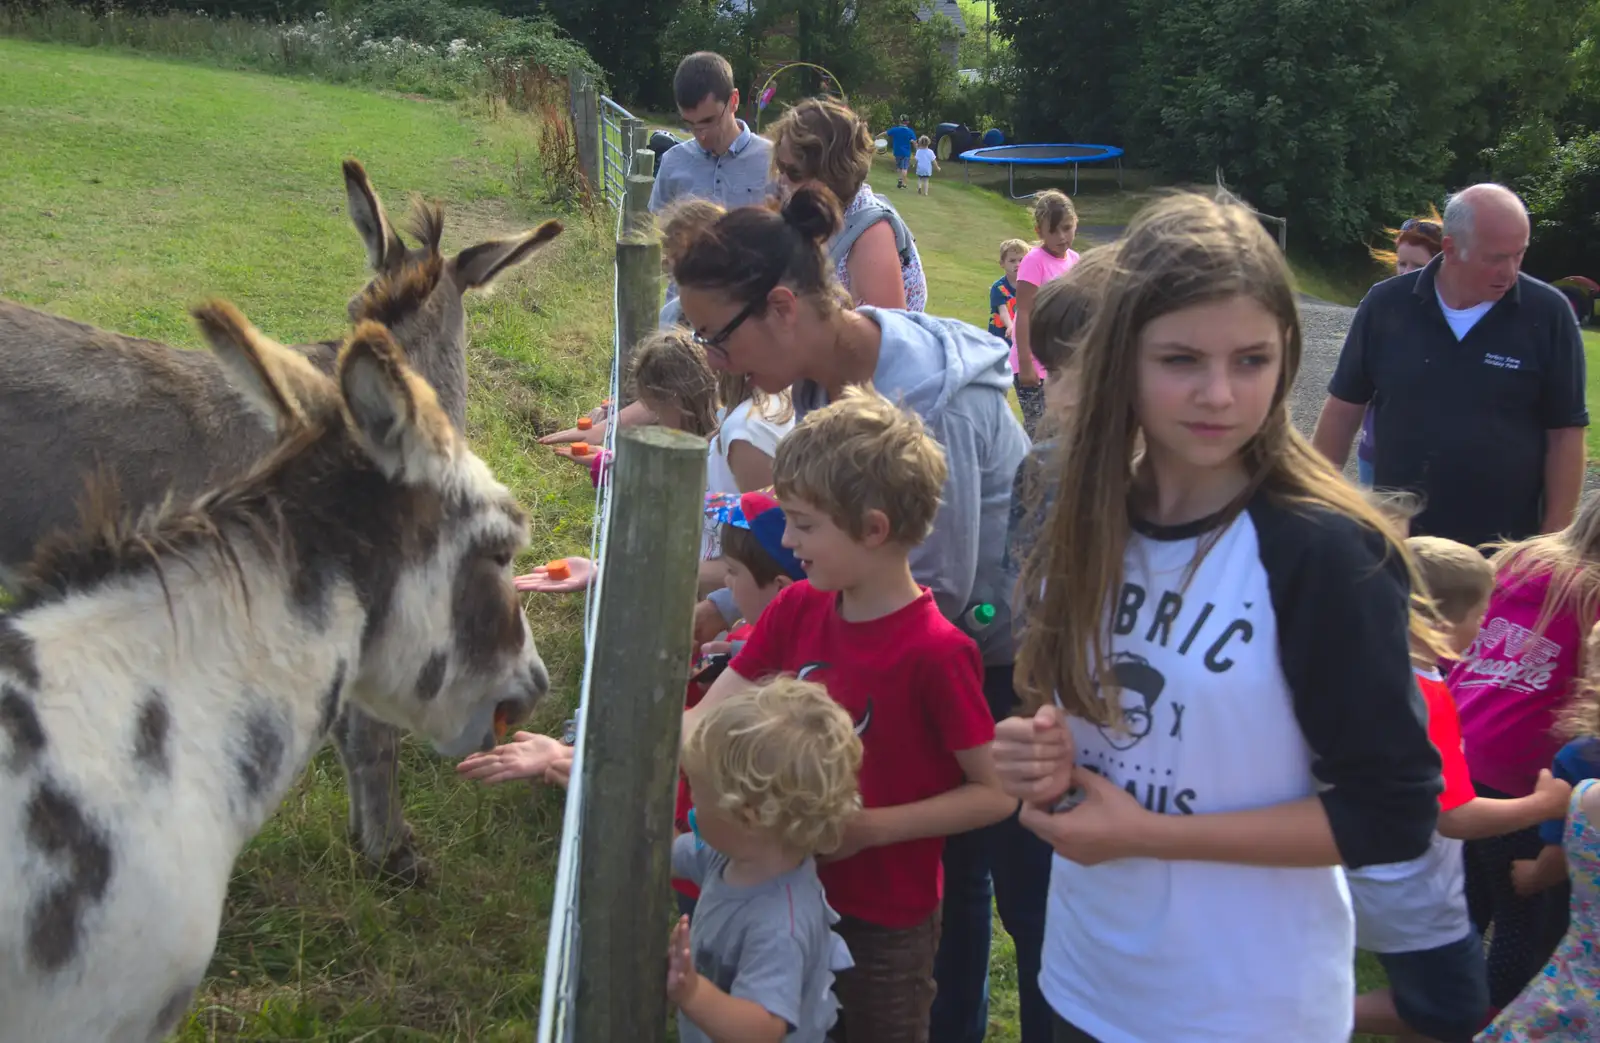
{"type": "Point", "coordinates": [1475, 373]}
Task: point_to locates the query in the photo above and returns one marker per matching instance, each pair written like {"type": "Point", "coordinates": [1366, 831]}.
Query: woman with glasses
{"type": "Point", "coordinates": [1417, 241]}
{"type": "Point", "coordinates": [874, 256]}
{"type": "Point", "coordinates": [760, 291]}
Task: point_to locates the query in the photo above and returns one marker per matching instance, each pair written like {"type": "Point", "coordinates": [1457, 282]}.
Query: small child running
{"type": "Point", "coordinates": [927, 163]}
{"type": "Point", "coordinates": [773, 773]}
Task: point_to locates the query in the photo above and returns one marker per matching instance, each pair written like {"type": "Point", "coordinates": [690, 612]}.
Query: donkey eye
{"type": "Point", "coordinates": [502, 559]}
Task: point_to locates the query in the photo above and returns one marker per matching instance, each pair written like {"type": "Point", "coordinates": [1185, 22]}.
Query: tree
{"type": "Point", "coordinates": [623, 36]}
{"type": "Point", "coordinates": [1071, 61]}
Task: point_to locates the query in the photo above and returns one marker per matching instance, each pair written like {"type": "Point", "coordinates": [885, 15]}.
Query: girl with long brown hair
{"type": "Point", "coordinates": [1217, 642]}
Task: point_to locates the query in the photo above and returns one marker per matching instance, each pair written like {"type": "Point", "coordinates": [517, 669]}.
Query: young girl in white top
{"type": "Point", "coordinates": [672, 380]}
{"type": "Point", "coordinates": [1218, 631]}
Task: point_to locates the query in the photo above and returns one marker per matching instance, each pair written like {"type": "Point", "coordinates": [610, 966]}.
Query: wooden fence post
{"type": "Point", "coordinates": [631, 735]}
{"type": "Point", "coordinates": [585, 104]}
{"type": "Point", "coordinates": [638, 298]}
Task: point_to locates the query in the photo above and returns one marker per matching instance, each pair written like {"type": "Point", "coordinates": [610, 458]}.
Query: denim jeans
{"type": "Point", "coordinates": [1018, 863]}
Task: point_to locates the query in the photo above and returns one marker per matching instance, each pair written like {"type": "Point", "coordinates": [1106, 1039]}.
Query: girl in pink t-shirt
{"type": "Point", "coordinates": [1510, 688]}
{"type": "Point", "coordinates": [1055, 220]}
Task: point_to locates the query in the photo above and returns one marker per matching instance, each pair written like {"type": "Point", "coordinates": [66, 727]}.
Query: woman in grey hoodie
{"type": "Point", "coordinates": [759, 290]}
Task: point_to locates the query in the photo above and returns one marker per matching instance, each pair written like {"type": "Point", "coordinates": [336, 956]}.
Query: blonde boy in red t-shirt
{"type": "Point", "coordinates": [859, 482]}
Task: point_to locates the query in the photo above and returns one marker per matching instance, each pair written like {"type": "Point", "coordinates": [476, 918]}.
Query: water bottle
{"type": "Point", "coordinates": [978, 618]}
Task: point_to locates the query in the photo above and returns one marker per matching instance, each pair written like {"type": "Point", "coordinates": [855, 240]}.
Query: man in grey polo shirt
{"type": "Point", "coordinates": [724, 161]}
{"type": "Point", "coordinates": [1475, 371]}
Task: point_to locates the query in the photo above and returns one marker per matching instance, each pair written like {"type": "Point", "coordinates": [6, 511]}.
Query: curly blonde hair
{"type": "Point", "coordinates": [669, 366]}
{"type": "Point", "coordinates": [863, 453]}
{"type": "Point", "coordinates": [829, 143]}
{"type": "Point", "coordinates": [781, 757]}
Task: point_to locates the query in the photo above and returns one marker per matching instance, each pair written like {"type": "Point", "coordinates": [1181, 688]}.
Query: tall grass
{"type": "Point", "coordinates": [346, 51]}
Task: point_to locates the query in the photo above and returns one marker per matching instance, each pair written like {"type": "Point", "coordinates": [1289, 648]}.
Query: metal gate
{"type": "Point", "coordinates": [619, 133]}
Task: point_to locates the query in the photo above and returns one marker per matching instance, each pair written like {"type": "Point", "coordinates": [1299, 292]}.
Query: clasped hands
{"type": "Point", "coordinates": [1035, 758]}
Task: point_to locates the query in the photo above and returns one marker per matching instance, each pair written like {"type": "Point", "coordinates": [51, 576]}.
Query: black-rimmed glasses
{"type": "Point", "coordinates": [715, 342]}
{"type": "Point", "coordinates": [703, 125]}
{"type": "Point", "coordinates": [1426, 227]}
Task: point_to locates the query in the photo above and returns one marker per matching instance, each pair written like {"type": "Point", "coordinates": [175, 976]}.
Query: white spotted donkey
{"type": "Point", "coordinates": [164, 680]}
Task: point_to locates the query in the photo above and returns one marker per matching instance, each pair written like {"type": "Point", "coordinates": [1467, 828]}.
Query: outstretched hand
{"type": "Point", "coordinates": [539, 582]}
{"type": "Point", "coordinates": [527, 756]}
{"type": "Point", "coordinates": [596, 435]}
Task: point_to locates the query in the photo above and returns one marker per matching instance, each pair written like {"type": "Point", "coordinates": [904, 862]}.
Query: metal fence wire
{"type": "Point", "coordinates": [561, 954]}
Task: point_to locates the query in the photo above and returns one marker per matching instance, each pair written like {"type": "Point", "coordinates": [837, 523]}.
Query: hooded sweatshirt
{"type": "Point", "coordinates": [955, 377]}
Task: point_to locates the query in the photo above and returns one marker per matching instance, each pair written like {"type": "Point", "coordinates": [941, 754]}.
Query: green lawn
{"type": "Point", "coordinates": [131, 188]}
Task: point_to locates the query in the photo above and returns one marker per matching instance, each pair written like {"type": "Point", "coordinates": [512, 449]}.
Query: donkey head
{"type": "Point", "coordinates": [417, 293]}
{"type": "Point", "coordinates": [377, 486]}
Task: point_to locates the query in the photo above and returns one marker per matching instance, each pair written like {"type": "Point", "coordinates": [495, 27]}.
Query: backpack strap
{"type": "Point", "coordinates": [857, 223]}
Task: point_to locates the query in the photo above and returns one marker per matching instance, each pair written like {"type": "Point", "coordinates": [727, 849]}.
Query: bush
{"type": "Point", "coordinates": [1564, 204]}
{"type": "Point", "coordinates": [449, 58]}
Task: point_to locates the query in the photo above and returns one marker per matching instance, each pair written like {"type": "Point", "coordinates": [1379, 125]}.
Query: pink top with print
{"type": "Point", "coordinates": [1513, 682]}
{"type": "Point", "coordinates": [1039, 267]}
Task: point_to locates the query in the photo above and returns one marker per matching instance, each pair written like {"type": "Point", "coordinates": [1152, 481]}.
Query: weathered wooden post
{"type": "Point", "coordinates": [585, 104]}
{"type": "Point", "coordinates": [638, 270]}
{"type": "Point", "coordinates": [631, 733]}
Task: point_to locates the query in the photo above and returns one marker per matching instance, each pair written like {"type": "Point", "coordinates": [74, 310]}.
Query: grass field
{"type": "Point", "coordinates": [130, 189]}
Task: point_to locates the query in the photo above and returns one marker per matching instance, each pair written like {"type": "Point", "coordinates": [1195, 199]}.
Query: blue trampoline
{"type": "Point", "coordinates": [1042, 156]}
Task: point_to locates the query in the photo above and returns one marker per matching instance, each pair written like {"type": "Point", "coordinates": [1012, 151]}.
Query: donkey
{"type": "Point", "coordinates": [164, 680]}
{"type": "Point", "coordinates": [166, 422]}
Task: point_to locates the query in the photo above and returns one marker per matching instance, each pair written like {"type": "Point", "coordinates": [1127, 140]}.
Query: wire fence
{"type": "Point", "coordinates": [561, 963]}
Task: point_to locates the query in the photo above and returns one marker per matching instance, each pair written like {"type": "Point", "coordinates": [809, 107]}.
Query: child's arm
{"type": "Point", "coordinates": [1529, 876]}
{"type": "Point", "coordinates": [727, 683]}
{"type": "Point", "coordinates": [1026, 374]}
{"type": "Point", "coordinates": [1484, 817]}
{"type": "Point", "coordinates": [725, 1018]}
{"type": "Point", "coordinates": [975, 803]}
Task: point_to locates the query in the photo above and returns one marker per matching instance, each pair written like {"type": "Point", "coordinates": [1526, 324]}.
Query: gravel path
{"type": "Point", "coordinates": [1322, 326]}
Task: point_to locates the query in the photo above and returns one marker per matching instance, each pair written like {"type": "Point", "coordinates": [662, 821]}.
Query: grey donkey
{"type": "Point", "coordinates": [162, 423]}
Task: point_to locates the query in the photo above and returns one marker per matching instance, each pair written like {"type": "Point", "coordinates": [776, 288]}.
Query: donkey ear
{"type": "Point", "coordinates": [279, 382]}
{"type": "Point", "coordinates": [478, 266]}
{"type": "Point", "coordinates": [395, 411]}
{"type": "Point", "coordinates": [384, 248]}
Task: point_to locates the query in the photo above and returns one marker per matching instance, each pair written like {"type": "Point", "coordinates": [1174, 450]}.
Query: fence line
{"type": "Point", "coordinates": [605, 960]}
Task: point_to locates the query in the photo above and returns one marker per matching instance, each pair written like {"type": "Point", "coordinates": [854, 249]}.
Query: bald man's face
{"type": "Point", "coordinates": [1487, 266]}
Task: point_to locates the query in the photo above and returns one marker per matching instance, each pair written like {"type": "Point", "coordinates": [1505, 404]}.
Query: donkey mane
{"type": "Point", "coordinates": [113, 542]}
{"type": "Point", "coordinates": [316, 505]}
{"type": "Point", "coordinates": [393, 296]}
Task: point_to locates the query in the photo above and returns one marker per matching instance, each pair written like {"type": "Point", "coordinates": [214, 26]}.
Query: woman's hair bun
{"type": "Point", "coordinates": [813, 211]}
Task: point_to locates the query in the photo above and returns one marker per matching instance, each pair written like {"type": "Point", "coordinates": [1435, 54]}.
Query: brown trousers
{"type": "Point", "coordinates": [886, 996]}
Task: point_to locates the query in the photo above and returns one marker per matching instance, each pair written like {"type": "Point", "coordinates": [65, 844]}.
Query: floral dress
{"type": "Point", "coordinates": [916, 282]}
{"type": "Point", "coordinates": [1562, 1004]}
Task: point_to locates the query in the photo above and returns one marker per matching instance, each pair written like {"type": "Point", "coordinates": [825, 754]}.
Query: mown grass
{"type": "Point", "coordinates": [132, 188]}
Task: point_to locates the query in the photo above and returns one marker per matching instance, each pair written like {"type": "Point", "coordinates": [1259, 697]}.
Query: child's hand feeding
{"type": "Point", "coordinates": [682, 978]}
{"type": "Point", "coordinates": [1034, 756]}
{"type": "Point", "coordinates": [526, 756]}
{"type": "Point", "coordinates": [544, 580]}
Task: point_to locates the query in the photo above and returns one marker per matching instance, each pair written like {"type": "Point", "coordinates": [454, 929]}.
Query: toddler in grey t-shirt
{"type": "Point", "coordinates": [773, 775]}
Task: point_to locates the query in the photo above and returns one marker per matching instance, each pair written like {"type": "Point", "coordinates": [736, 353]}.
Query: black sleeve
{"type": "Point", "coordinates": [1351, 381]}
{"type": "Point", "coordinates": [1562, 399]}
{"type": "Point", "coordinates": [1341, 602]}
